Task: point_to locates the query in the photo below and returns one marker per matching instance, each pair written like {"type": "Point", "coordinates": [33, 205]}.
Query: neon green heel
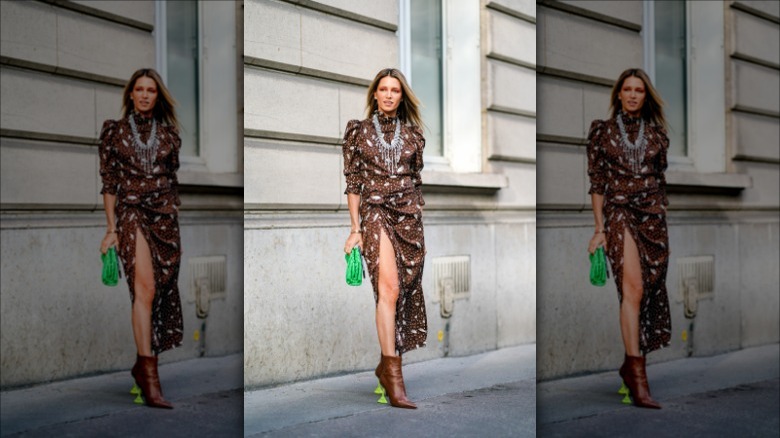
{"type": "Point", "coordinates": [624, 390]}
{"type": "Point", "coordinates": [136, 390]}
{"type": "Point", "coordinates": [380, 390]}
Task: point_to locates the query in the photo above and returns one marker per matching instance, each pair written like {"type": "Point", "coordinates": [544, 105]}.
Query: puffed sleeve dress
{"type": "Point", "coordinates": [391, 202]}
{"type": "Point", "coordinates": [147, 200]}
{"type": "Point", "coordinates": [635, 200]}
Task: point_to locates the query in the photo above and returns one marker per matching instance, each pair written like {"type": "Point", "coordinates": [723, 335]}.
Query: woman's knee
{"type": "Point", "coordinates": [388, 292]}
{"type": "Point", "coordinates": [144, 291]}
{"type": "Point", "coordinates": [632, 291]}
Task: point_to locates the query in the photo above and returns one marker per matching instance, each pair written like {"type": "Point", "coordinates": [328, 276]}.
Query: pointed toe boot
{"type": "Point", "coordinates": [392, 380]}
{"type": "Point", "coordinates": [148, 380]}
{"type": "Point", "coordinates": [634, 376]}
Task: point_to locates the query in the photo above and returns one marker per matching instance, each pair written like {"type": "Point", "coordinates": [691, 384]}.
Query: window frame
{"type": "Point", "coordinates": [434, 162]}
{"type": "Point", "coordinates": [705, 84]}
{"type": "Point", "coordinates": [195, 162]}
{"type": "Point", "coordinates": [461, 70]}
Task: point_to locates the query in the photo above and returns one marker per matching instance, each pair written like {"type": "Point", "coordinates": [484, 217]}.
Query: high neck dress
{"type": "Point", "coordinates": [635, 201]}
{"type": "Point", "coordinates": [391, 200]}
{"type": "Point", "coordinates": [148, 200]}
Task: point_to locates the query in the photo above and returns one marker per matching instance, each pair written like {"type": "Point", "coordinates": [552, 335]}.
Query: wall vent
{"type": "Point", "coordinates": [209, 269]}
{"type": "Point", "coordinates": [696, 273]}
{"type": "Point", "coordinates": [456, 269]}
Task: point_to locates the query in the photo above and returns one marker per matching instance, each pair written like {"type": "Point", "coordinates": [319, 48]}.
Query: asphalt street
{"type": "Point", "coordinates": [728, 395]}
{"type": "Point", "coordinates": [749, 410]}
{"type": "Point", "coordinates": [490, 394]}
{"type": "Point", "coordinates": [207, 394]}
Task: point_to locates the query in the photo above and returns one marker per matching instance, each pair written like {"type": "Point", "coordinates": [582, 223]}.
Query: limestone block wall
{"type": "Point", "coordinates": [62, 69]}
{"type": "Point", "coordinates": [307, 67]}
{"type": "Point", "coordinates": [303, 321]}
{"type": "Point", "coordinates": [753, 116]}
{"type": "Point", "coordinates": [582, 47]}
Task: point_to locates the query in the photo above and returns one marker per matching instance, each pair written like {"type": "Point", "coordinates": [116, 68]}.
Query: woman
{"type": "Point", "coordinates": [626, 164]}
{"type": "Point", "coordinates": [383, 157]}
{"type": "Point", "coordinates": [139, 156]}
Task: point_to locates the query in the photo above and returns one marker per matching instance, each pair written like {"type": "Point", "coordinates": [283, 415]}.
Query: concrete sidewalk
{"type": "Point", "coordinates": [207, 394]}
{"type": "Point", "coordinates": [733, 394]}
{"type": "Point", "coordinates": [491, 394]}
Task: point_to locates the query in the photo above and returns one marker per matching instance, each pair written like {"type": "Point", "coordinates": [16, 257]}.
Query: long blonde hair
{"type": "Point", "coordinates": [408, 109]}
{"type": "Point", "coordinates": [164, 106]}
{"type": "Point", "coordinates": [652, 109]}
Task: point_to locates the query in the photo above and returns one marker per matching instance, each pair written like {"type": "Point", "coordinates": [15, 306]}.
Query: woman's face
{"type": "Point", "coordinates": [144, 95]}
{"type": "Point", "coordinates": [388, 95]}
{"type": "Point", "coordinates": [632, 96]}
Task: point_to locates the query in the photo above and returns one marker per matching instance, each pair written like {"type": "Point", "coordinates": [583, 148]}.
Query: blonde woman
{"type": "Point", "coordinates": [626, 164]}
{"type": "Point", "coordinates": [139, 156]}
{"type": "Point", "coordinates": [383, 157]}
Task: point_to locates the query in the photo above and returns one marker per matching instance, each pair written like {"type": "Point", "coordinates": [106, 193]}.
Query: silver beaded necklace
{"type": "Point", "coordinates": [146, 152]}
{"type": "Point", "coordinates": [391, 153]}
{"type": "Point", "coordinates": [634, 152]}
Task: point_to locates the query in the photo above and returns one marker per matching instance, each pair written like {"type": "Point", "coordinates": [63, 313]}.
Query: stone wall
{"type": "Point", "coordinates": [729, 213]}
{"type": "Point", "coordinates": [307, 67]}
{"type": "Point", "coordinates": [62, 71]}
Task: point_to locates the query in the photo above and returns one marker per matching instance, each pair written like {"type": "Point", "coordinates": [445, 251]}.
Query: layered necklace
{"type": "Point", "coordinates": [634, 152]}
{"type": "Point", "coordinates": [146, 152]}
{"type": "Point", "coordinates": [391, 153]}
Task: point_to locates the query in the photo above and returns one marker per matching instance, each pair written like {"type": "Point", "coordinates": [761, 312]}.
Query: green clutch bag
{"type": "Point", "coordinates": [598, 268]}
{"type": "Point", "coordinates": [355, 272]}
{"type": "Point", "coordinates": [110, 267]}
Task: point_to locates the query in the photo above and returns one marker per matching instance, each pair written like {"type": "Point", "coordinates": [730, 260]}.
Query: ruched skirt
{"type": "Point", "coordinates": [157, 218]}
{"type": "Point", "coordinates": [399, 215]}
{"type": "Point", "coordinates": [644, 216]}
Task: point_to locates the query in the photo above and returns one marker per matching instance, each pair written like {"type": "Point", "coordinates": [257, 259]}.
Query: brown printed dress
{"type": "Point", "coordinates": [391, 202]}
{"type": "Point", "coordinates": [635, 202]}
{"type": "Point", "coordinates": [148, 201]}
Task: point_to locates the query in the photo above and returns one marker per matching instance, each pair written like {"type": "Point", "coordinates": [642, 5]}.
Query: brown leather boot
{"type": "Point", "coordinates": [634, 375]}
{"type": "Point", "coordinates": [145, 374]}
{"type": "Point", "coordinates": [393, 381]}
{"type": "Point", "coordinates": [378, 370]}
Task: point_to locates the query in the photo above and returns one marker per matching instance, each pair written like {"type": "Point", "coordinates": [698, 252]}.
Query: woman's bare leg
{"type": "Point", "coordinates": [388, 296]}
{"type": "Point", "coordinates": [632, 295]}
{"type": "Point", "coordinates": [144, 296]}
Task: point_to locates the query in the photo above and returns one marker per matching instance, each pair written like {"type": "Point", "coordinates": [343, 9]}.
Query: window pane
{"type": "Point", "coordinates": [670, 70]}
{"type": "Point", "coordinates": [426, 39]}
{"type": "Point", "coordinates": [182, 66]}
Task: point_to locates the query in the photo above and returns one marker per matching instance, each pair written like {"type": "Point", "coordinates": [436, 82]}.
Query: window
{"type": "Point", "coordinates": [670, 69]}
{"type": "Point", "coordinates": [178, 61]}
{"type": "Point", "coordinates": [426, 66]}
{"type": "Point", "coordinates": [683, 54]}
{"type": "Point", "coordinates": [440, 55]}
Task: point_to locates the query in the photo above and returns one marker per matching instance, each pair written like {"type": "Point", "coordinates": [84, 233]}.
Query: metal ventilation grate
{"type": "Point", "coordinates": [212, 269]}
{"type": "Point", "coordinates": [696, 272]}
{"type": "Point", "coordinates": [456, 268]}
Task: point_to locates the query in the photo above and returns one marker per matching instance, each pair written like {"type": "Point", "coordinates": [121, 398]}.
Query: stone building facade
{"type": "Point", "coordinates": [63, 66]}
{"type": "Point", "coordinates": [307, 66]}
{"type": "Point", "coordinates": [716, 65]}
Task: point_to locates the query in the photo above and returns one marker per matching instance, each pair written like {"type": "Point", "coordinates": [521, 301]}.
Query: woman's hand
{"type": "Point", "coordinates": [354, 239]}
{"type": "Point", "coordinates": [598, 239]}
{"type": "Point", "coordinates": [108, 241]}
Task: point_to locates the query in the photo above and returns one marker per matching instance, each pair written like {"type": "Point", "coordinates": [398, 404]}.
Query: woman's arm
{"type": "Point", "coordinates": [110, 181]}
{"type": "Point", "coordinates": [110, 239]}
{"type": "Point", "coordinates": [354, 185]}
{"type": "Point", "coordinates": [353, 203]}
{"type": "Point", "coordinates": [597, 184]}
{"type": "Point", "coordinates": [599, 238]}
{"type": "Point", "coordinates": [355, 237]}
